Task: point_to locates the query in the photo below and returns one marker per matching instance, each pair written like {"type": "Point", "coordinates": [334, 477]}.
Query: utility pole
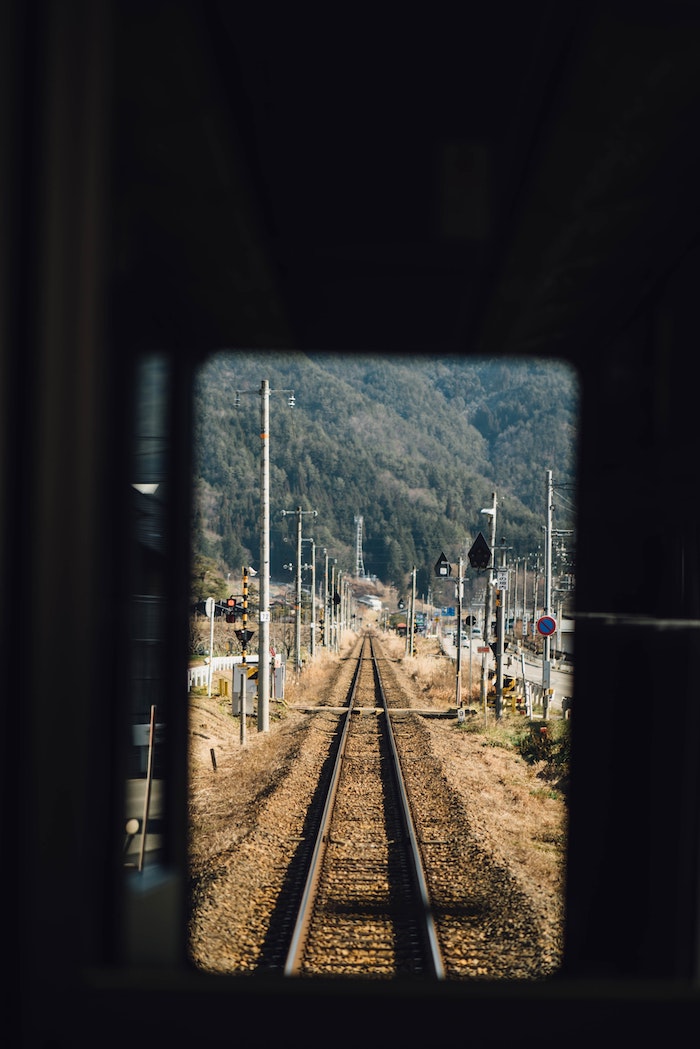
{"type": "Point", "coordinates": [500, 623]}
{"type": "Point", "coordinates": [264, 613]}
{"type": "Point", "coordinates": [264, 604]}
{"type": "Point", "coordinates": [458, 683]}
{"type": "Point", "coordinates": [244, 643]}
{"type": "Point", "coordinates": [297, 619]}
{"type": "Point", "coordinates": [326, 613]}
{"type": "Point", "coordinates": [491, 511]}
{"type": "Point", "coordinates": [524, 628]}
{"type": "Point", "coordinates": [313, 598]}
{"type": "Point", "coordinates": [312, 566]}
{"type": "Point", "coordinates": [470, 652]}
{"type": "Point", "coordinates": [409, 632]}
{"type": "Point", "coordinates": [546, 663]}
{"type": "Point", "coordinates": [297, 599]}
{"type": "Point", "coordinates": [331, 607]}
{"type": "Point", "coordinates": [335, 605]}
{"type": "Point", "coordinates": [338, 609]}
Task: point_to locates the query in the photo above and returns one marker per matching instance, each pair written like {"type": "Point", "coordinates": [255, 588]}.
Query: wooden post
{"type": "Point", "coordinates": [149, 780]}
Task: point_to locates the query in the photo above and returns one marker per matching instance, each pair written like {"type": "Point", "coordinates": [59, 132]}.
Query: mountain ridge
{"type": "Point", "coordinates": [416, 445]}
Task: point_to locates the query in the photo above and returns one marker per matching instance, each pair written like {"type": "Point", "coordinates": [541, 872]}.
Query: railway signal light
{"type": "Point", "coordinates": [480, 553]}
{"type": "Point", "coordinates": [442, 566]}
{"type": "Point", "coordinates": [244, 636]}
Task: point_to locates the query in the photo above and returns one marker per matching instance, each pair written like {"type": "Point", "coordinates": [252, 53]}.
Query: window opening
{"type": "Point", "coordinates": [429, 455]}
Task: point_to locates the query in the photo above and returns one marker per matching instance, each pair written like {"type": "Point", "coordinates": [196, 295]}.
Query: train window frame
{"type": "Point", "coordinates": [270, 362]}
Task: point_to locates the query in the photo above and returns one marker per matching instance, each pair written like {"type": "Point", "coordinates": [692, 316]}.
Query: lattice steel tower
{"type": "Point", "coordinates": [359, 563]}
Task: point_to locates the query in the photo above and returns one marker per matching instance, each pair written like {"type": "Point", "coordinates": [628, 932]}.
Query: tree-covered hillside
{"type": "Point", "coordinates": [415, 445]}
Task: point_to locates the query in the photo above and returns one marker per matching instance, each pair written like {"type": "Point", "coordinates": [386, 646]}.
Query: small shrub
{"type": "Point", "coordinates": [548, 743]}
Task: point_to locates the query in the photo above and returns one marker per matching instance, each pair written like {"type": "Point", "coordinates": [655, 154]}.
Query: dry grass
{"type": "Point", "coordinates": [509, 807]}
{"type": "Point", "coordinates": [302, 688]}
{"type": "Point", "coordinates": [508, 803]}
{"type": "Point", "coordinates": [432, 674]}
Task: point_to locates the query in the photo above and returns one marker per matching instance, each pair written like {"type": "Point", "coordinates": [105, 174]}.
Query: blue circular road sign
{"type": "Point", "coordinates": [546, 625]}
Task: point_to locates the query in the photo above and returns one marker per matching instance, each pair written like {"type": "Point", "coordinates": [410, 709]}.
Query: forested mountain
{"type": "Point", "coordinates": [415, 445]}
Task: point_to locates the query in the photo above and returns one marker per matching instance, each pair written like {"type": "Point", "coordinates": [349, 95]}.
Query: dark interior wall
{"type": "Point", "coordinates": [121, 236]}
{"type": "Point", "coordinates": [634, 808]}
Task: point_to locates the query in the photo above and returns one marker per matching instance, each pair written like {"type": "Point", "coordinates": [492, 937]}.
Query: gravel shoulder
{"type": "Point", "coordinates": [243, 812]}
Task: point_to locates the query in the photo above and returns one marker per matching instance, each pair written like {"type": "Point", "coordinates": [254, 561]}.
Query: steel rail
{"type": "Point", "coordinates": [429, 930]}
{"type": "Point", "coordinates": [429, 935]}
{"type": "Point", "coordinates": [293, 962]}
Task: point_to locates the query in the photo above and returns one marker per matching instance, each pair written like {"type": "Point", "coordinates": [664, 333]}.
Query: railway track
{"type": "Point", "coordinates": [472, 919]}
{"type": "Point", "coordinates": [365, 906]}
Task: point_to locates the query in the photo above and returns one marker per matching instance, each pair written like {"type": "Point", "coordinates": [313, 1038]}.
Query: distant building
{"type": "Point", "coordinates": [565, 637]}
{"type": "Point", "coordinates": [371, 601]}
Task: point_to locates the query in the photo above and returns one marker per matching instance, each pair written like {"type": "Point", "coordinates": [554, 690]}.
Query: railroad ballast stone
{"type": "Point", "coordinates": [500, 914]}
